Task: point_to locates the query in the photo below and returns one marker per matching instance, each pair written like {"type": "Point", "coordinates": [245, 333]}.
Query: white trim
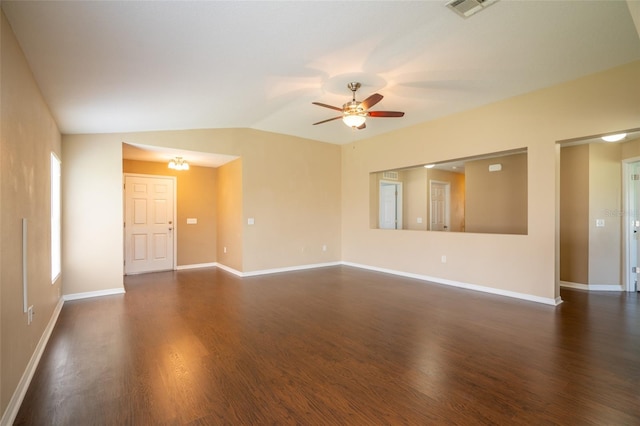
{"type": "Point", "coordinates": [399, 204]}
{"type": "Point", "coordinates": [229, 269]}
{"type": "Point", "coordinates": [475, 287]}
{"type": "Point", "coordinates": [579, 286]}
{"type": "Point", "coordinates": [13, 407]}
{"type": "Point", "coordinates": [275, 270]}
{"type": "Point", "coordinates": [289, 269]}
{"type": "Point", "coordinates": [25, 283]}
{"type": "Point", "coordinates": [592, 287]}
{"type": "Point", "coordinates": [88, 294]}
{"type": "Point", "coordinates": [605, 287]}
{"type": "Point", "coordinates": [627, 208]}
{"type": "Point", "coordinates": [196, 266]}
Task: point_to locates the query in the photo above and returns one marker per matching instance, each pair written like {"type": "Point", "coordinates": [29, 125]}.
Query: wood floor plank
{"type": "Point", "coordinates": [336, 345]}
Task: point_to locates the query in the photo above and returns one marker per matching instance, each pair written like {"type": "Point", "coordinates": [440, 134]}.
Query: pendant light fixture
{"type": "Point", "coordinates": [178, 163]}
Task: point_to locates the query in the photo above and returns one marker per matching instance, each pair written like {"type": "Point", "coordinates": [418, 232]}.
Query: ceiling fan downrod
{"type": "Point", "coordinates": [354, 86]}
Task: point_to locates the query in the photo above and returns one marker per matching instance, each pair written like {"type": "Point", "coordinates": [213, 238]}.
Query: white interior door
{"type": "Point", "coordinates": [439, 206]}
{"type": "Point", "coordinates": [631, 215]}
{"type": "Point", "coordinates": [149, 223]}
{"type": "Point", "coordinates": [390, 205]}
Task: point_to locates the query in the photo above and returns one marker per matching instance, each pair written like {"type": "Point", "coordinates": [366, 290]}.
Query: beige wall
{"type": "Point", "coordinates": [92, 215]}
{"type": "Point", "coordinates": [28, 135]}
{"type": "Point", "coordinates": [523, 264]}
{"type": "Point", "coordinates": [415, 199]}
{"type": "Point", "coordinates": [574, 214]}
{"type": "Point", "coordinates": [290, 186]}
{"type": "Point", "coordinates": [605, 195]}
{"type": "Point", "coordinates": [496, 202]}
{"type": "Point", "coordinates": [230, 219]}
{"type": "Point", "coordinates": [196, 198]}
{"type": "Point", "coordinates": [631, 149]}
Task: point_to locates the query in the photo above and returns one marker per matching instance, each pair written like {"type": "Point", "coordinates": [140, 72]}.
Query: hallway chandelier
{"type": "Point", "coordinates": [178, 163]}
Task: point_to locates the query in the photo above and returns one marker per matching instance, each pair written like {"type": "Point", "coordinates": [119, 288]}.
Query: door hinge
{"type": "Point", "coordinates": [634, 270]}
{"type": "Point", "coordinates": [635, 177]}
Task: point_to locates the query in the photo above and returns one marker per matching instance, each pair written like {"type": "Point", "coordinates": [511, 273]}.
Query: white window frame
{"type": "Point", "coordinates": [56, 218]}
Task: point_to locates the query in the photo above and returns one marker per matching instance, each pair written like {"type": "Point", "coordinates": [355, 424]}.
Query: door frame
{"type": "Point", "coordinates": [399, 201]}
{"type": "Point", "coordinates": [175, 216]}
{"type": "Point", "coordinates": [630, 245]}
{"type": "Point", "coordinates": [447, 203]}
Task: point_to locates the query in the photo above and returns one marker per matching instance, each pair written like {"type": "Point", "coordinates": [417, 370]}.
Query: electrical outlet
{"type": "Point", "coordinates": [224, 249]}
{"type": "Point", "coordinates": [324, 247]}
{"type": "Point", "coordinates": [30, 315]}
{"type": "Point", "coordinates": [443, 259]}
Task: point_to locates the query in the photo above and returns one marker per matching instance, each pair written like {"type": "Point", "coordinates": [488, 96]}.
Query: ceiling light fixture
{"type": "Point", "coordinates": [353, 114]}
{"type": "Point", "coordinates": [354, 120]}
{"type": "Point", "coordinates": [178, 163]}
{"type": "Point", "coordinates": [614, 138]}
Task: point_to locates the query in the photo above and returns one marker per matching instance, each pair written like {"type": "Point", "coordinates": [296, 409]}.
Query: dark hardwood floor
{"type": "Point", "coordinates": [335, 345]}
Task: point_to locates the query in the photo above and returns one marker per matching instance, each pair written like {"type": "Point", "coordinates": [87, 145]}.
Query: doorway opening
{"type": "Point", "coordinates": [390, 205]}
{"type": "Point", "coordinates": [598, 208]}
{"type": "Point", "coordinates": [631, 222]}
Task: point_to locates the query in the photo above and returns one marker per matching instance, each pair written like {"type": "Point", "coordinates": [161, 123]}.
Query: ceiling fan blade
{"type": "Point", "coordinates": [327, 106]}
{"type": "Point", "coordinates": [362, 126]}
{"type": "Point", "coordinates": [386, 114]}
{"type": "Point", "coordinates": [329, 119]}
{"type": "Point", "coordinates": [371, 101]}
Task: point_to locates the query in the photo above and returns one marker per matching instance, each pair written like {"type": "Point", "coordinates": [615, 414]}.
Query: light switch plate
{"type": "Point", "coordinates": [599, 223]}
{"type": "Point", "coordinates": [192, 220]}
{"type": "Point", "coordinates": [251, 221]}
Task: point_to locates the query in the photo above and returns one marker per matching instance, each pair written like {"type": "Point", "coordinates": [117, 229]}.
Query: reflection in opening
{"type": "Point", "coordinates": [483, 194]}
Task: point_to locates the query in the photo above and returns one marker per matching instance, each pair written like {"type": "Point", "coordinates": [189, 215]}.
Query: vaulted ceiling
{"type": "Point", "coordinates": [117, 66]}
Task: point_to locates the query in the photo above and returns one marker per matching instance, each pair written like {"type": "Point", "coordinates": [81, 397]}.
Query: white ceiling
{"type": "Point", "coordinates": [118, 66]}
{"type": "Point", "coordinates": [140, 152]}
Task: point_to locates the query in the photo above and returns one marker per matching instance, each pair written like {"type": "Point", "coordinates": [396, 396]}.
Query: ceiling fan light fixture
{"type": "Point", "coordinates": [354, 119]}
{"type": "Point", "coordinates": [354, 113]}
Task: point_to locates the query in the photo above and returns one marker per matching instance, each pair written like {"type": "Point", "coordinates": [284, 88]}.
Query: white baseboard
{"type": "Point", "coordinates": [605, 287]}
{"type": "Point", "coordinates": [567, 284]}
{"type": "Point", "coordinates": [468, 286]}
{"type": "Point", "coordinates": [196, 266]}
{"type": "Point", "coordinates": [523, 296]}
{"type": "Point", "coordinates": [275, 270]}
{"type": "Point", "coordinates": [11, 412]}
{"type": "Point", "coordinates": [592, 287]}
{"type": "Point", "coordinates": [88, 294]}
{"type": "Point", "coordinates": [289, 269]}
{"type": "Point", "coordinates": [229, 269]}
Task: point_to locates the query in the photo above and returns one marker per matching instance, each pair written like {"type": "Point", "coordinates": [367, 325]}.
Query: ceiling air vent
{"type": "Point", "coordinates": [390, 175]}
{"type": "Point", "coordinates": [466, 8]}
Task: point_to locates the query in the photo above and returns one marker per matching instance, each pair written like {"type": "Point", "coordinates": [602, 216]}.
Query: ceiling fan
{"type": "Point", "coordinates": [354, 113]}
